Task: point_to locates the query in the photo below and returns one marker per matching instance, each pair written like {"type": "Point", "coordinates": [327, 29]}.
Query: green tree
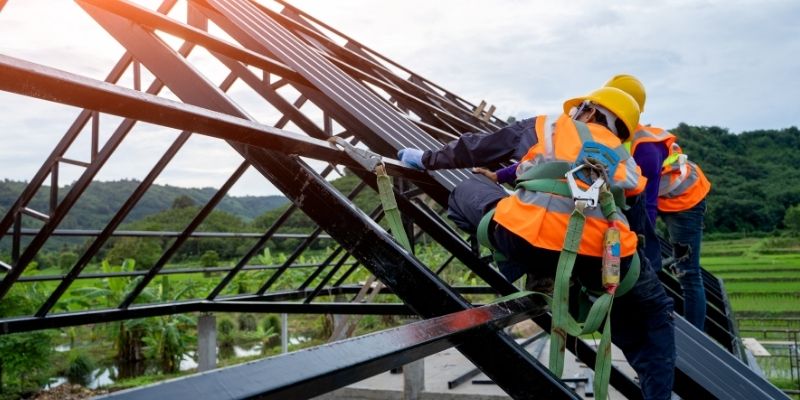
{"type": "Point", "coordinates": [146, 251]}
{"type": "Point", "coordinates": [792, 218]}
{"type": "Point", "coordinates": [80, 369]}
{"type": "Point", "coordinates": [66, 260]}
{"type": "Point", "coordinates": [209, 259]}
{"type": "Point", "coordinates": [183, 201]}
{"type": "Point", "coordinates": [24, 357]}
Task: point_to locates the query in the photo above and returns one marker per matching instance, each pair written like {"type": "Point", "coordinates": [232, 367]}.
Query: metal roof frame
{"type": "Point", "coordinates": [357, 91]}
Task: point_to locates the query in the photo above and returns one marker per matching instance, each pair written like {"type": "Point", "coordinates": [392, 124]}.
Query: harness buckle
{"type": "Point", "coordinates": [589, 197]}
{"type": "Point", "coordinates": [366, 158]}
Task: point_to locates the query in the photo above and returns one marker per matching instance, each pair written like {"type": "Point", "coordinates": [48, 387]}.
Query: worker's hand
{"type": "Point", "coordinates": [411, 158]}
{"type": "Point", "coordinates": [485, 172]}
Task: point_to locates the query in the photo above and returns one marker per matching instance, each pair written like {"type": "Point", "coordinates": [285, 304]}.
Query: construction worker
{"type": "Point", "coordinates": [529, 227]}
{"type": "Point", "coordinates": [676, 190]}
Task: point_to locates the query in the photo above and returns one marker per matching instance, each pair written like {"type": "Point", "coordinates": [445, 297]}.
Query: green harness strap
{"type": "Point", "coordinates": [390, 209]}
{"type": "Point", "coordinates": [546, 178]}
{"type": "Point", "coordinates": [563, 323]}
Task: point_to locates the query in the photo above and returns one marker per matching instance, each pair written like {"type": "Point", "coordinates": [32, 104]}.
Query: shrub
{"type": "Point", "coordinates": [272, 322]}
{"type": "Point", "coordinates": [80, 369]}
{"type": "Point", "coordinates": [792, 218]}
{"type": "Point", "coordinates": [66, 260]}
{"type": "Point", "coordinates": [209, 259]}
{"type": "Point", "coordinates": [225, 327]}
{"type": "Point", "coordinates": [247, 322]}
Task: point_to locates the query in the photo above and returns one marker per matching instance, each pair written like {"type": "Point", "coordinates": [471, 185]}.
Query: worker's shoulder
{"type": "Point", "coordinates": [653, 129]}
{"type": "Point", "coordinates": [521, 125]}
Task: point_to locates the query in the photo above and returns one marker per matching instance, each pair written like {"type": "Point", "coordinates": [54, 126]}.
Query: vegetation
{"type": "Point", "coordinates": [102, 199]}
{"type": "Point", "coordinates": [752, 175]}
{"type": "Point", "coordinates": [754, 205]}
{"type": "Point", "coordinates": [80, 369]}
{"type": "Point", "coordinates": [24, 357]}
{"type": "Point", "coordinates": [768, 310]}
{"type": "Point", "coordinates": [759, 282]}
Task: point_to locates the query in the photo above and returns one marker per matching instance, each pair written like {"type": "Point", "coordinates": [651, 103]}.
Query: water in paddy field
{"type": "Point", "coordinates": [105, 376]}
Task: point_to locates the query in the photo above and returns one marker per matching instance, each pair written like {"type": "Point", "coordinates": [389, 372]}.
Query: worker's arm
{"type": "Point", "coordinates": [650, 157]}
{"type": "Point", "coordinates": [480, 149]}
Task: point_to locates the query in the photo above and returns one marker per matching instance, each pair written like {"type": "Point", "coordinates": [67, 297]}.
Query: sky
{"type": "Point", "coordinates": [729, 63]}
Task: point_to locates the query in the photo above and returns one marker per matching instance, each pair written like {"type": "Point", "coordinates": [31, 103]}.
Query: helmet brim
{"type": "Point", "coordinates": [569, 104]}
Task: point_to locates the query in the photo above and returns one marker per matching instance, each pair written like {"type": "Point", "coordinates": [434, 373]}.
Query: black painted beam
{"type": "Point", "coordinates": [310, 372]}
{"type": "Point", "coordinates": [513, 369]}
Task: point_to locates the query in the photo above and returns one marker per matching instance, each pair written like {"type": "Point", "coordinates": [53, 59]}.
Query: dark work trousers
{"type": "Point", "coordinates": [640, 223]}
{"type": "Point", "coordinates": [642, 325]}
{"type": "Point", "coordinates": [686, 234]}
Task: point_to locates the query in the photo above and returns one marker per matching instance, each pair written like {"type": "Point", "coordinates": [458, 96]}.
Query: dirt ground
{"type": "Point", "coordinates": [68, 392]}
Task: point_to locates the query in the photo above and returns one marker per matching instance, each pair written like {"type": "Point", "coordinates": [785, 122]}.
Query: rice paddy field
{"type": "Point", "coordinates": [762, 280]}
{"type": "Point", "coordinates": [761, 276]}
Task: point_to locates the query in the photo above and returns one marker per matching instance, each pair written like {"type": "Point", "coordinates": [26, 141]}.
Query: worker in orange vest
{"type": "Point", "coordinates": [676, 190]}
{"type": "Point", "coordinates": [529, 227]}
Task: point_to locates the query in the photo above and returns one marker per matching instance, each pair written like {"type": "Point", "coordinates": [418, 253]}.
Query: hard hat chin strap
{"type": "Point", "coordinates": [586, 105]}
{"type": "Point", "coordinates": [575, 112]}
{"type": "Point", "coordinates": [611, 119]}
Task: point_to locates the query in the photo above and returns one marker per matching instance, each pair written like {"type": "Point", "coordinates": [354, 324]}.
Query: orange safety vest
{"type": "Point", "coordinates": [683, 183]}
{"type": "Point", "coordinates": [649, 134]}
{"type": "Point", "coordinates": [542, 218]}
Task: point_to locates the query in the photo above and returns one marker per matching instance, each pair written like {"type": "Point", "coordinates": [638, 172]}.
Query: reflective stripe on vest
{"type": "Point", "coordinates": [646, 134]}
{"type": "Point", "coordinates": [677, 184]}
{"type": "Point", "coordinates": [675, 175]}
{"type": "Point", "coordinates": [627, 176]}
{"type": "Point", "coordinates": [683, 183]}
{"type": "Point", "coordinates": [541, 218]}
{"type": "Point", "coordinates": [549, 128]}
{"type": "Point", "coordinates": [631, 180]}
{"type": "Point", "coordinates": [560, 204]}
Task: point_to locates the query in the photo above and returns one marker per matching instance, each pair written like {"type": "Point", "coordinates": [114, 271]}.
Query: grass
{"type": "Point", "coordinates": [762, 279]}
{"type": "Point", "coordinates": [757, 281]}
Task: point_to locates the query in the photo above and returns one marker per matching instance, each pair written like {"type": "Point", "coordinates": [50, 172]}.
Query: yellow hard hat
{"type": "Point", "coordinates": [621, 104]}
{"type": "Point", "coordinates": [630, 85]}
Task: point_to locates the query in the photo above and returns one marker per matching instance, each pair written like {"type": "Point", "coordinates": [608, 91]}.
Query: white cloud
{"type": "Point", "coordinates": [727, 63]}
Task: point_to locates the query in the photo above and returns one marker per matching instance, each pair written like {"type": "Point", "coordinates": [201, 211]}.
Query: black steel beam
{"type": "Point", "coordinates": [356, 108]}
{"type": "Point", "coordinates": [47, 83]}
{"type": "Point", "coordinates": [513, 369]}
{"type": "Point", "coordinates": [69, 137]}
{"type": "Point", "coordinates": [712, 372]}
{"type": "Point", "coordinates": [87, 317]}
{"type": "Point", "coordinates": [60, 320]}
{"type": "Point", "coordinates": [303, 246]}
{"type": "Point", "coordinates": [408, 93]}
{"type": "Point", "coordinates": [173, 270]}
{"type": "Point", "coordinates": [255, 249]}
{"type": "Point", "coordinates": [307, 373]}
{"type": "Point", "coordinates": [115, 221]}
{"type": "Point", "coordinates": [178, 242]}
{"type": "Point", "coordinates": [371, 53]}
{"type": "Point", "coordinates": [77, 188]}
{"type": "Point", "coordinates": [167, 234]}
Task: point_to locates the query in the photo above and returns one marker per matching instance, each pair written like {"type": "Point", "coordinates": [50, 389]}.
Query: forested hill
{"type": "Point", "coordinates": [754, 175]}
{"type": "Point", "coordinates": [102, 199]}
{"type": "Point", "coordinates": [754, 178]}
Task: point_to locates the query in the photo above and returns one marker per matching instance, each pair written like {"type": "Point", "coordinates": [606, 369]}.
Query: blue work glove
{"type": "Point", "coordinates": [411, 158]}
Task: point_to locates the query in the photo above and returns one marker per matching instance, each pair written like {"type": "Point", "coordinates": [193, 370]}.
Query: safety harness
{"type": "Point", "coordinates": [549, 177]}
{"type": "Point", "coordinates": [372, 162]}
